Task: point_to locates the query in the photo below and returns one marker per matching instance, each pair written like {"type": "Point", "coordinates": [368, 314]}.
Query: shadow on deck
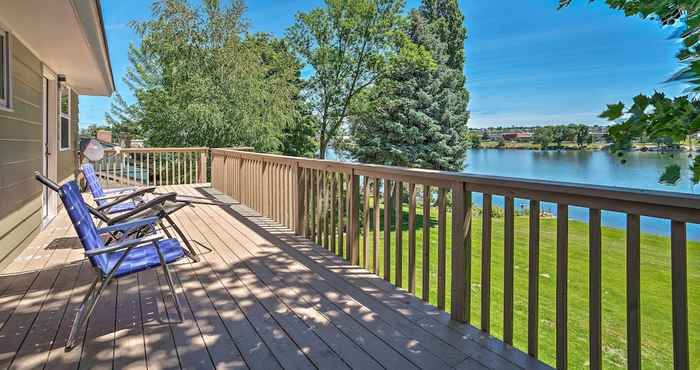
{"type": "Point", "coordinates": [261, 297]}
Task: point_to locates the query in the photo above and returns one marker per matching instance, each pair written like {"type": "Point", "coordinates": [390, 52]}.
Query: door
{"type": "Point", "coordinates": [49, 147]}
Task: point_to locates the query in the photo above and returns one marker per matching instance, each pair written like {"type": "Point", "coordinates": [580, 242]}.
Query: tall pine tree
{"type": "Point", "coordinates": [416, 115]}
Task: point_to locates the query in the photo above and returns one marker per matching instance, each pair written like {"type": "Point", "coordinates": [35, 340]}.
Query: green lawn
{"type": "Point", "coordinates": [656, 288]}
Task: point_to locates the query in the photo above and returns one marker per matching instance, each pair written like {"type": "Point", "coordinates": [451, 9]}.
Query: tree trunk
{"type": "Point", "coordinates": [323, 145]}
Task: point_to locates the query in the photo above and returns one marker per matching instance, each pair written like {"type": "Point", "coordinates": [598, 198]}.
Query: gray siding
{"type": "Point", "coordinates": [21, 133]}
{"type": "Point", "coordinates": [20, 155]}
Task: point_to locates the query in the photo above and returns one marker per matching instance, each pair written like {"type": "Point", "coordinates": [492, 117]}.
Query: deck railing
{"type": "Point", "coordinates": [332, 203]}
{"type": "Point", "coordinates": [153, 166]}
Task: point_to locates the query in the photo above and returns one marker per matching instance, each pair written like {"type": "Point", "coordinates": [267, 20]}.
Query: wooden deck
{"type": "Point", "coordinates": [259, 298]}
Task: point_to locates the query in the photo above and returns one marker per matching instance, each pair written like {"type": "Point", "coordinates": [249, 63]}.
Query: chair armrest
{"type": "Point", "coordinates": [128, 226]}
{"type": "Point", "coordinates": [110, 196]}
{"type": "Point", "coordinates": [129, 243]}
{"type": "Point", "coordinates": [157, 201]}
{"type": "Point", "coordinates": [120, 190]}
{"type": "Point", "coordinates": [98, 214]}
{"type": "Point", "coordinates": [126, 197]}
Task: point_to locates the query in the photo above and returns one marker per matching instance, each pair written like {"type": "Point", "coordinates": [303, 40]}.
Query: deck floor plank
{"type": "Point", "coordinates": [260, 297]}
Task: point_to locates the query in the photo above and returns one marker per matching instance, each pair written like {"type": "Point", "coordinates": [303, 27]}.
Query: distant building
{"type": "Point", "coordinates": [599, 133]}
{"type": "Point", "coordinates": [517, 136]}
{"type": "Point", "coordinates": [104, 136]}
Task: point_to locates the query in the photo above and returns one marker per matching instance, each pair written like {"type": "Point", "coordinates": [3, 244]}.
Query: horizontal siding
{"type": "Point", "coordinates": [20, 155]}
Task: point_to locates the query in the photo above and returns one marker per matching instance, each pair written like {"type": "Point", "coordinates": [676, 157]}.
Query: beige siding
{"type": "Point", "coordinates": [20, 156]}
{"type": "Point", "coordinates": [67, 158]}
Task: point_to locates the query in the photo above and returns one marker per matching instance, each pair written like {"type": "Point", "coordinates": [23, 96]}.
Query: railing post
{"type": "Point", "coordinates": [353, 238]}
{"type": "Point", "coordinates": [299, 199]}
{"type": "Point", "coordinates": [461, 251]}
{"type": "Point", "coordinates": [202, 176]}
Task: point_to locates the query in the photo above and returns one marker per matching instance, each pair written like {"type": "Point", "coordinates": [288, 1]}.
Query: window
{"type": "Point", "coordinates": [4, 69]}
{"type": "Point", "coordinates": [64, 118]}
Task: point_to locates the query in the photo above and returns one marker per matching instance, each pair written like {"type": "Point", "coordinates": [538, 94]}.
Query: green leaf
{"type": "Point", "coordinates": [613, 112]}
{"type": "Point", "coordinates": [671, 175]}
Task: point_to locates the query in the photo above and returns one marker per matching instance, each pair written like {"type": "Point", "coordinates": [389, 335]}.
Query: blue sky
{"type": "Point", "coordinates": [526, 62]}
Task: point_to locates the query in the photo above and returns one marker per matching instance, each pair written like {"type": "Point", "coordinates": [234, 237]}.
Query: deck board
{"type": "Point", "coordinates": [260, 298]}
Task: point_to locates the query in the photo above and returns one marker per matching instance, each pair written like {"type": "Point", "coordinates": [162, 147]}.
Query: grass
{"type": "Point", "coordinates": [656, 303]}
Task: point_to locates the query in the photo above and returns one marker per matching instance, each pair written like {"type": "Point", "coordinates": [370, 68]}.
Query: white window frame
{"type": "Point", "coordinates": [6, 103]}
{"type": "Point", "coordinates": [62, 115]}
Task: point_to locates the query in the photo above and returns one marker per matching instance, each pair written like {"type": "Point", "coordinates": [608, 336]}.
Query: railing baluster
{"type": "Point", "coordinates": [341, 213]}
{"type": "Point", "coordinates": [326, 211]}
{"type": "Point", "coordinates": [300, 204]}
{"type": "Point", "coordinates": [319, 216]}
{"type": "Point", "coordinates": [312, 205]}
{"type": "Point", "coordinates": [508, 269]}
{"type": "Point", "coordinates": [679, 279]}
{"type": "Point", "coordinates": [365, 223]}
{"type": "Point", "coordinates": [562, 288]}
{"type": "Point", "coordinates": [354, 219]}
{"type": "Point", "coordinates": [387, 230]}
{"type": "Point", "coordinates": [398, 190]}
{"type": "Point", "coordinates": [533, 278]}
{"type": "Point", "coordinates": [333, 200]}
{"type": "Point", "coordinates": [412, 238]}
{"type": "Point", "coordinates": [426, 243]}
{"type": "Point", "coordinates": [307, 203]}
{"type": "Point", "coordinates": [486, 264]}
{"type": "Point", "coordinates": [442, 236]}
{"type": "Point", "coordinates": [595, 291]}
{"type": "Point", "coordinates": [377, 221]}
{"type": "Point", "coordinates": [634, 340]}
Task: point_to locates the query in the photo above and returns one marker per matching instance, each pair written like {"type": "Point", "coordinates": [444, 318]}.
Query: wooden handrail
{"type": "Point", "coordinates": [304, 194]}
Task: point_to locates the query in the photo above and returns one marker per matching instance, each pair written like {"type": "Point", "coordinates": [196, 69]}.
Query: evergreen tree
{"type": "Point", "coordinates": [416, 115]}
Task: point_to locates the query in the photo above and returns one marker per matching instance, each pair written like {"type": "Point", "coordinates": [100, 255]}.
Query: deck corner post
{"type": "Point", "coordinates": [460, 267]}
{"type": "Point", "coordinates": [202, 176]}
{"type": "Point", "coordinates": [353, 239]}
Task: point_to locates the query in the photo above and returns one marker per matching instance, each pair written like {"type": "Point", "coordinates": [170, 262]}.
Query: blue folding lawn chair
{"type": "Point", "coordinates": [113, 200]}
{"type": "Point", "coordinates": [121, 257]}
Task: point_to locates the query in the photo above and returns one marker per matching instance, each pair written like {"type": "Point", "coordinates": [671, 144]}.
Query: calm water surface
{"type": "Point", "coordinates": [641, 171]}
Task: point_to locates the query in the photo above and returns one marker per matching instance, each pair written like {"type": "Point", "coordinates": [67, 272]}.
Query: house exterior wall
{"type": "Point", "coordinates": [21, 153]}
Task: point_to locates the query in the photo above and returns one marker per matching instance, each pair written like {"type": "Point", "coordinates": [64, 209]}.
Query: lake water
{"type": "Point", "coordinates": [641, 171]}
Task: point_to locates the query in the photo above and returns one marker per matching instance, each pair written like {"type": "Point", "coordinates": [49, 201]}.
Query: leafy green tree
{"type": "Point", "coordinates": [200, 80]}
{"type": "Point", "coordinates": [543, 136]}
{"type": "Point", "coordinates": [344, 44]}
{"type": "Point", "coordinates": [299, 138]}
{"type": "Point", "coordinates": [560, 134]}
{"type": "Point", "coordinates": [474, 140]}
{"type": "Point", "coordinates": [582, 135]}
{"type": "Point", "coordinates": [416, 115]}
{"type": "Point", "coordinates": [124, 120]}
